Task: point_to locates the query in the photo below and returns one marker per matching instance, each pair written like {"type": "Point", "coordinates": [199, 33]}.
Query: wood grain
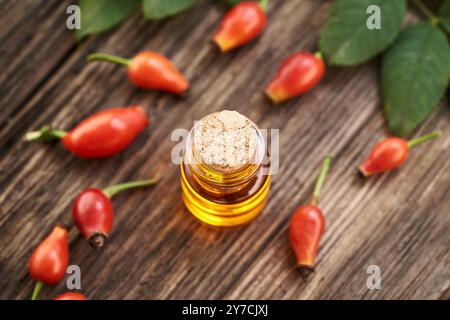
{"type": "Point", "coordinates": [399, 221]}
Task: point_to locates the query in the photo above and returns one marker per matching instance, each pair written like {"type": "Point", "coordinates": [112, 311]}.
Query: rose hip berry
{"type": "Point", "coordinates": [308, 224]}
{"type": "Point", "coordinates": [298, 74]}
{"type": "Point", "coordinates": [93, 210]}
{"type": "Point", "coordinates": [390, 153]}
{"type": "Point", "coordinates": [149, 70]}
{"type": "Point", "coordinates": [50, 259]}
{"type": "Point", "coordinates": [101, 135]}
{"type": "Point", "coordinates": [71, 296]}
{"type": "Point", "coordinates": [240, 25]}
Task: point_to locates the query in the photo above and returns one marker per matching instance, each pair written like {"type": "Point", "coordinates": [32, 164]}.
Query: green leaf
{"type": "Point", "coordinates": [232, 2]}
{"type": "Point", "coordinates": [414, 75]}
{"type": "Point", "coordinates": [444, 15]}
{"type": "Point", "coordinates": [445, 23]}
{"type": "Point", "coordinates": [101, 15]}
{"type": "Point", "coordinates": [159, 9]}
{"type": "Point", "coordinates": [346, 40]}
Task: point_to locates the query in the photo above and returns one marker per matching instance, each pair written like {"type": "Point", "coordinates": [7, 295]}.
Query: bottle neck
{"type": "Point", "coordinates": [217, 180]}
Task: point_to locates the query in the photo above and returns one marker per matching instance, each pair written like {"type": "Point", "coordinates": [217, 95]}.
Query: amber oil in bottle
{"type": "Point", "coordinates": [224, 179]}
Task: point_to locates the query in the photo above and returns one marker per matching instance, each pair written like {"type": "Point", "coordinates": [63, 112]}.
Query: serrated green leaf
{"type": "Point", "coordinates": [414, 75]}
{"type": "Point", "coordinates": [346, 40]}
{"type": "Point", "coordinates": [444, 15]}
{"type": "Point", "coordinates": [159, 9]}
{"type": "Point", "coordinates": [101, 15]}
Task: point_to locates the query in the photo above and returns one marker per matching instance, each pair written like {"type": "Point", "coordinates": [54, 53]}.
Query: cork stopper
{"type": "Point", "coordinates": [225, 141]}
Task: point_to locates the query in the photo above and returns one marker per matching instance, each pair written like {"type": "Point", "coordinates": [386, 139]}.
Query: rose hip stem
{"type": "Point", "coordinates": [308, 224]}
{"type": "Point", "coordinates": [390, 153]}
{"type": "Point", "coordinates": [111, 191]}
{"type": "Point", "coordinates": [321, 180]}
{"type": "Point", "coordinates": [149, 70]}
{"type": "Point", "coordinates": [416, 141]}
{"type": "Point", "coordinates": [297, 74]}
{"type": "Point", "coordinates": [49, 260]}
{"type": "Point", "coordinates": [103, 134]}
{"type": "Point", "coordinates": [241, 24]}
{"type": "Point", "coordinates": [93, 210]}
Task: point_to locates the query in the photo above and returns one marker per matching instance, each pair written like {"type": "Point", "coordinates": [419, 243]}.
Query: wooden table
{"type": "Point", "coordinates": [398, 221]}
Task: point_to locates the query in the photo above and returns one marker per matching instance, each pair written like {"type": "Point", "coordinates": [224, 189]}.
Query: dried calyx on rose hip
{"type": "Point", "coordinates": [390, 153]}
{"type": "Point", "coordinates": [149, 70]}
{"type": "Point", "coordinates": [93, 210]}
{"type": "Point", "coordinates": [298, 74]}
{"type": "Point", "coordinates": [308, 224]}
{"type": "Point", "coordinates": [101, 135]}
{"type": "Point", "coordinates": [241, 24]}
{"type": "Point", "coordinates": [50, 259]}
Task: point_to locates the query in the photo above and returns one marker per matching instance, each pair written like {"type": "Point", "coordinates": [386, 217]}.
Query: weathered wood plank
{"type": "Point", "coordinates": [33, 44]}
{"type": "Point", "coordinates": [399, 221]}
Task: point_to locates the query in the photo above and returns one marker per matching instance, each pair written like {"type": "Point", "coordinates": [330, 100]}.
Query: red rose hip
{"type": "Point", "coordinates": [71, 296]}
{"type": "Point", "coordinates": [101, 135]}
{"type": "Point", "coordinates": [50, 259]}
{"type": "Point", "coordinates": [241, 24]}
{"type": "Point", "coordinates": [299, 73]}
{"type": "Point", "coordinates": [308, 224]}
{"type": "Point", "coordinates": [306, 229]}
{"type": "Point", "coordinates": [390, 153]}
{"type": "Point", "coordinates": [149, 70]}
{"type": "Point", "coordinates": [93, 210]}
